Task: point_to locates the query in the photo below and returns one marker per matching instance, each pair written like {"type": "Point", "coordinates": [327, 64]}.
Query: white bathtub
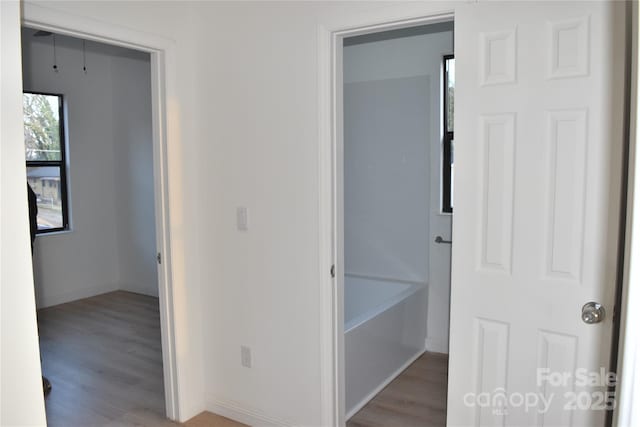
{"type": "Point", "coordinates": [385, 330]}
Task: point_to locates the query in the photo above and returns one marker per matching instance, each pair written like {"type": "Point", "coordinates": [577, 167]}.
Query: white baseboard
{"type": "Point", "coordinates": [50, 299]}
{"type": "Point", "coordinates": [140, 289]}
{"type": "Point", "coordinates": [236, 412]}
{"type": "Point", "coordinates": [385, 383]}
{"type": "Point", "coordinates": [437, 346]}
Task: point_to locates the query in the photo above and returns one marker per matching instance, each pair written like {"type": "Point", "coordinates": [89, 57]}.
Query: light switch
{"type": "Point", "coordinates": [242, 216]}
{"type": "Point", "coordinates": [245, 356]}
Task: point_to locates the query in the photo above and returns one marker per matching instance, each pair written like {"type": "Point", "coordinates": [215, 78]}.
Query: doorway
{"type": "Point", "coordinates": [507, 256]}
{"type": "Point", "coordinates": [397, 229]}
{"type": "Point", "coordinates": [161, 53]}
{"type": "Point", "coordinates": [89, 153]}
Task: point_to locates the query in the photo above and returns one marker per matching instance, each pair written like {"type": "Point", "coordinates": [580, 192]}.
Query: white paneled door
{"type": "Point", "coordinates": [539, 137]}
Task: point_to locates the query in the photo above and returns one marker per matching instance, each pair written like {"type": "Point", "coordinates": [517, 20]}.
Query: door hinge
{"type": "Point", "coordinates": [333, 271]}
{"type": "Point", "coordinates": [159, 258]}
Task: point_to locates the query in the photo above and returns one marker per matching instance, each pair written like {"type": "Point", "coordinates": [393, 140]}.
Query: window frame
{"type": "Point", "coordinates": [447, 139]}
{"type": "Point", "coordinates": [61, 164]}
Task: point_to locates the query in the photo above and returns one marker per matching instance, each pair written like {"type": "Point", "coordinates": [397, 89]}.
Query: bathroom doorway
{"type": "Point", "coordinates": [398, 137]}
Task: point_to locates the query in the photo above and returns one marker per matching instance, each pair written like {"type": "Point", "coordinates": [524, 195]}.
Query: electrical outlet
{"type": "Point", "coordinates": [245, 356]}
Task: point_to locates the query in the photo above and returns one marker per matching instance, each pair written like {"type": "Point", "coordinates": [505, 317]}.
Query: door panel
{"type": "Point", "coordinates": [539, 134]}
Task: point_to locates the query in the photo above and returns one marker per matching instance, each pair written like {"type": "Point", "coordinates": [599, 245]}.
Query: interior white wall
{"type": "Point", "coordinates": [386, 201]}
{"type": "Point", "coordinates": [417, 257]}
{"type": "Point", "coordinates": [134, 175]}
{"type": "Point", "coordinates": [386, 168]}
{"type": "Point", "coordinates": [262, 287]}
{"type": "Point", "coordinates": [21, 400]}
{"type": "Point", "coordinates": [264, 281]}
{"type": "Point", "coordinates": [111, 244]}
{"type": "Point", "coordinates": [243, 118]}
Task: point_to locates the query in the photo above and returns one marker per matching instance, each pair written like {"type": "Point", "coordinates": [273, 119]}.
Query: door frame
{"type": "Point", "coordinates": [628, 360]}
{"type": "Point", "coordinates": [162, 59]}
{"type": "Point", "coordinates": [331, 215]}
{"type": "Point", "coordinates": [331, 182]}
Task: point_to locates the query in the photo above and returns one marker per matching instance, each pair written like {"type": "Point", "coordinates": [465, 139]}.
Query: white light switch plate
{"type": "Point", "coordinates": [242, 218]}
{"type": "Point", "coordinates": [245, 356]}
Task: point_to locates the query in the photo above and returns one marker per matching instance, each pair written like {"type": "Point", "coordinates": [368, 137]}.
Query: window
{"type": "Point", "coordinates": [449, 69]}
{"type": "Point", "coordinates": [45, 155]}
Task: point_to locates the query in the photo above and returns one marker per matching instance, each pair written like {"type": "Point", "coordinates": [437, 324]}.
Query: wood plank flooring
{"type": "Point", "coordinates": [416, 398]}
{"type": "Point", "coordinates": [103, 357]}
{"type": "Point", "coordinates": [207, 419]}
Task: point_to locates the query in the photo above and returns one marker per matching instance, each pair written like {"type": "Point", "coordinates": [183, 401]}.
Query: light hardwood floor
{"type": "Point", "coordinates": [416, 398]}
{"type": "Point", "coordinates": [104, 358]}
{"type": "Point", "coordinates": [207, 419]}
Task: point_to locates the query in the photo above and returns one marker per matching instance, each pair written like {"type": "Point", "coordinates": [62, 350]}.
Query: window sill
{"type": "Point", "coordinates": [54, 233]}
